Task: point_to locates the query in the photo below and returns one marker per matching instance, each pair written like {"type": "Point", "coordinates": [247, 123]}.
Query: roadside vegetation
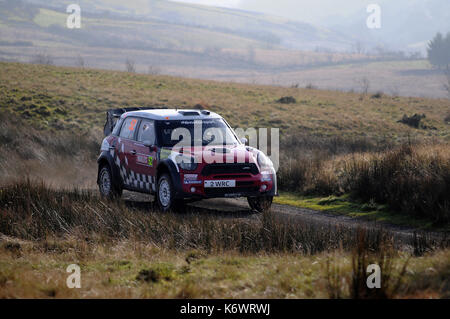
{"type": "Point", "coordinates": [412, 181]}
{"type": "Point", "coordinates": [128, 251]}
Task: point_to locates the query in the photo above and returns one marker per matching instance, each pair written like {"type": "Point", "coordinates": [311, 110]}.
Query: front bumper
{"type": "Point", "coordinates": [193, 186]}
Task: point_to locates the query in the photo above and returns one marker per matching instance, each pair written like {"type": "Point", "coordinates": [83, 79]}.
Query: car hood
{"type": "Point", "coordinates": [216, 154]}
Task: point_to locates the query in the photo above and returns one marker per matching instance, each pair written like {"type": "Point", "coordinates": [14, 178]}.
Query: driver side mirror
{"type": "Point", "coordinates": [151, 146]}
{"type": "Point", "coordinates": [244, 141]}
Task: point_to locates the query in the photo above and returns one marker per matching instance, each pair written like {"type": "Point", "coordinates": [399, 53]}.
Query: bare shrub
{"type": "Point", "coordinates": [382, 256]}
{"type": "Point", "coordinates": [447, 119]}
{"type": "Point", "coordinates": [364, 85]}
{"type": "Point", "coordinates": [413, 121]}
{"type": "Point", "coordinates": [287, 100]}
{"type": "Point", "coordinates": [411, 180]}
{"type": "Point", "coordinates": [153, 70]}
{"type": "Point", "coordinates": [42, 58]}
{"type": "Point", "coordinates": [359, 47]}
{"type": "Point", "coordinates": [377, 95]}
{"type": "Point", "coordinates": [342, 283]}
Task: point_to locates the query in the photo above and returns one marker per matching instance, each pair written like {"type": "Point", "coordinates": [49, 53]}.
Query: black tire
{"type": "Point", "coordinates": [165, 195]}
{"type": "Point", "coordinates": [260, 204]}
{"type": "Point", "coordinates": [106, 184]}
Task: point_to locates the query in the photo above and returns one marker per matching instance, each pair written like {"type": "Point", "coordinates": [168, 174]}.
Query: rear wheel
{"type": "Point", "coordinates": [106, 184]}
{"type": "Point", "coordinates": [260, 204]}
{"type": "Point", "coordinates": [165, 195]}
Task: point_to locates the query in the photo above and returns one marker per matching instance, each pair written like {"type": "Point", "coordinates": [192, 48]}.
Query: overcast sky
{"type": "Point", "coordinates": [304, 10]}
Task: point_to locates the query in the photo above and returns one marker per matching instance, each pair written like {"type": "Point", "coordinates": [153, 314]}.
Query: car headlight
{"type": "Point", "coordinates": [264, 161]}
{"type": "Point", "coordinates": [187, 164]}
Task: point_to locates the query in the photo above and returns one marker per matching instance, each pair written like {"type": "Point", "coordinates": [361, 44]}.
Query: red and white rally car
{"type": "Point", "coordinates": [181, 155]}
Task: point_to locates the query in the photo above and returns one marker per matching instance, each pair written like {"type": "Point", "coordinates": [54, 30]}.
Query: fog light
{"type": "Point", "coordinates": [193, 189]}
{"type": "Point", "coordinates": [263, 188]}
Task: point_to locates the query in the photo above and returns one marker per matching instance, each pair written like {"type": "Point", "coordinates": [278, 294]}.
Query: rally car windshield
{"type": "Point", "coordinates": [190, 133]}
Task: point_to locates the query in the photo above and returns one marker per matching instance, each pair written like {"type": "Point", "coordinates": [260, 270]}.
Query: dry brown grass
{"type": "Point", "coordinates": [62, 159]}
{"type": "Point", "coordinates": [37, 269]}
{"type": "Point", "coordinates": [412, 180]}
{"type": "Point", "coordinates": [34, 211]}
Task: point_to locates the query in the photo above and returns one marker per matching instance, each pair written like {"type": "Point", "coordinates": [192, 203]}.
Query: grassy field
{"type": "Point", "coordinates": [404, 78]}
{"type": "Point", "coordinates": [138, 270]}
{"type": "Point", "coordinates": [51, 103]}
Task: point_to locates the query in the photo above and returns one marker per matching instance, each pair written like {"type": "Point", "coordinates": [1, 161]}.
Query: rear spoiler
{"type": "Point", "coordinates": [113, 115]}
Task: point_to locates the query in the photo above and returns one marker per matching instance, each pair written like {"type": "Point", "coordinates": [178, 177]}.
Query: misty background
{"type": "Point", "coordinates": [323, 43]}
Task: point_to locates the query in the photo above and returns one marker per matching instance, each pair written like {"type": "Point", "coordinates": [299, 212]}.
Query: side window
{"type": "Point", "coordinates": [128, 128]}
{"type": "Point", "coordinates": [117, 127]}
{"type": "Point", "coordinates": [147, 132]}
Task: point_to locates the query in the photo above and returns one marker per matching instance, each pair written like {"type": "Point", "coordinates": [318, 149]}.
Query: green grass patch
{"type": "Point", "coordinates": [345, 206]}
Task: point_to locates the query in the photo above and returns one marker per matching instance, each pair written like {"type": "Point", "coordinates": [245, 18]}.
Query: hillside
{"type": "Point", "coordinates": [161, 31]}
{"type": "Point", "coordinates": [163, 37]}
{"type": "Point", "coordinates": [161, 18]}
{"type": "Point", "coordinates": [71, 98]}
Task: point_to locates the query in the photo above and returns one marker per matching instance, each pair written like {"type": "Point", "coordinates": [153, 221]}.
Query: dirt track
{"type": "Point", "coordinates": [239, 209]}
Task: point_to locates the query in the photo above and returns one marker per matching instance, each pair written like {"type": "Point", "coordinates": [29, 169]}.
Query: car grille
{"type": "Point", "coordinates": [232, 168]}
{"type": "Point", "coordinates": [230, 176]}
{"type": "Point", "coordinates": [229, 190]}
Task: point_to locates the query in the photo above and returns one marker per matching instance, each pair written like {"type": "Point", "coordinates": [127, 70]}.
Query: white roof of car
{"type": "Point", "coordinates": [174, 114]}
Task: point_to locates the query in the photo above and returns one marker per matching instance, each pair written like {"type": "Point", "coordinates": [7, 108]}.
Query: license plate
{"type": "Point", "coordinates": [219, 184]}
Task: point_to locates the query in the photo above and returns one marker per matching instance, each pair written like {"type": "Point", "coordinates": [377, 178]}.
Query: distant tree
{"type": "Point", "coordinates": [130, 66]}
{"type": "Point", "coordinates": [439, 50]}
{"type": "Point", "coordinates": [80, 61]}
{"type": "Point", "coordinates": [359, 47]}
{"type": "Point", "coordinates": [447, 81]}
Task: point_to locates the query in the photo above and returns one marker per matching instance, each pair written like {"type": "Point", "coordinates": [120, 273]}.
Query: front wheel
{"type": "Point", "coordinates": [106, 184]}
{"type": "Point", "coordinates": [260, 204]}
{"type": "Point", "coordinates": [165, 195]}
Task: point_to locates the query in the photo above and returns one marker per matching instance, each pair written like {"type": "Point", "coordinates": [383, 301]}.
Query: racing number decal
{"type": "Point", "coordinates": [132, 125]}
{"type": "Point", "coordinates": [150, 161]}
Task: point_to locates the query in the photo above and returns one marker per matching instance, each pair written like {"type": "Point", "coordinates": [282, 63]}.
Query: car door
{"type": "Point", "coordinates": [146, 156]}
{"type": "Point", "coordinates": [126, 152]}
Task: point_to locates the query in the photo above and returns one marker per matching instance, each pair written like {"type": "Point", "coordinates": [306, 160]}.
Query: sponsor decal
{"type": "Point", "coordinates": [132, 125]}
{"type": "Point", "coordinates": [146, 160]}
{"type": "Point", "coordinates": [188, 182]}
